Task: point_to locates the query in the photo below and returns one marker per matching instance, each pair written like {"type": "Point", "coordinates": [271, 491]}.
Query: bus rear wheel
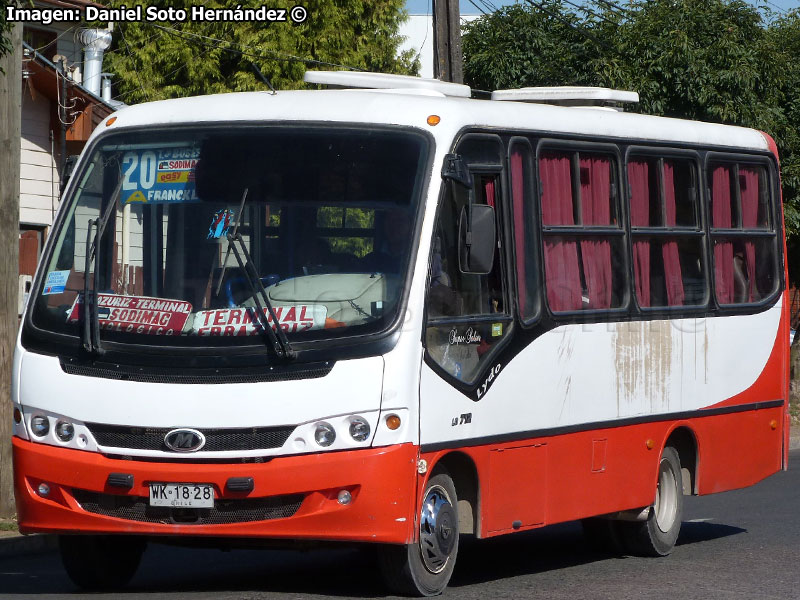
{"type": "Point", "coordinates": [101, 562]}
{"type": "Point", "coordinates": [657, 535]}
{"type": "Point", "coordinates": [424, 568]}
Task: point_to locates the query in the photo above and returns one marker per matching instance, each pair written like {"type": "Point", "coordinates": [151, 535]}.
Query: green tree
{"type": "Point", "coordinates": [167, 60]}
{"type": "Point", "coordinates": [521, 46]}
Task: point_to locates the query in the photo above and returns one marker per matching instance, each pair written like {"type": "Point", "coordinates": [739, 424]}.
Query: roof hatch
{"type": "Point", "coordinates": [569, 96]}
{"type": "Point", "coordinates": [387, 81]}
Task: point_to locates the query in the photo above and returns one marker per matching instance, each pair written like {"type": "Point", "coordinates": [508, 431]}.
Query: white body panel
{"type": "Point", "coordinates": [589, 373]}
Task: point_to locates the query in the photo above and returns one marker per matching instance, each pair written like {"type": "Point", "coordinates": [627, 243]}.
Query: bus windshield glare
{"type": "Point", "coordinates": [326, 216]}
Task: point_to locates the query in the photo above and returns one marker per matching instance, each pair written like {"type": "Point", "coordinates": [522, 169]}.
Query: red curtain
{"type": "Point", "coordinates": [488, 188]}
{"type": "Point", "coordinates": [748, 185]}
{"type": "Point", "coordinates": [520, 229]}
{"type": "Point", "coordinates": [721, 218]}
{"type": "Point", "coordinates": [669, 250]}
{"type": "Point", "coordinates": [596, 210]}
{"type": "Point", "coordinates": [562, 277]}
{"type": "Point", "coordinates": [638, 179]}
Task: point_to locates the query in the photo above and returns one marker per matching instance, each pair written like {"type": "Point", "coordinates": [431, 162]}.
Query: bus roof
{"type": "Point", "coordinates": [412, 107]}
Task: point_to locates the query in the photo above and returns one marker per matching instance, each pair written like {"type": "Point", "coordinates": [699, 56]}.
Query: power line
{"type": "Point", "coordinates": [133, 62]}
{"type": "Point", "coordinates": [615, 8]}
{"type": "Point", "coordinates": [582, 30]}
{"type": "Point", "coordinates": [591, 12]}
{"type": "Point", "coordinates": [483, 12]}
{"type": "Point", "coordinates": [780, 10]}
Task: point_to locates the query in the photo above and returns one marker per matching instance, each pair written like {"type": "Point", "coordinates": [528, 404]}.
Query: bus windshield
{"type": "Point", "coordinates": [326, 216]}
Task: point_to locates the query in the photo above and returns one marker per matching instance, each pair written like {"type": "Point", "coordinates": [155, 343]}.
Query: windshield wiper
{"type": "Point", "coordinates": [277, 337]}
{"type": "Point", "coordinates": [91, 322]}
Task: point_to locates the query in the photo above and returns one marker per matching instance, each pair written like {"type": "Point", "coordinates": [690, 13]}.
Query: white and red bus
{"type": "Point", "coordinates": [397, 315]}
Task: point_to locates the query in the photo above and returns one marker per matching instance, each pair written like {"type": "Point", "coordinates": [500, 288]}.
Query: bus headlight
{"type": "Point", "coordinates": [324, 434]}
{"type": "Point", "coordinates": [65, 431]}
{"type": "Point", "coordinates": [359, 429]}
{"type": "Point", "coordinates": [40, 425]}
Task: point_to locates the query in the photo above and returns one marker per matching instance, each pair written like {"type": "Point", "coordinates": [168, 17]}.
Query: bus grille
{"type": "Point", "coordinates": [217, 440]}
{"type": "Point", "coordinates": [197, 376]}
{"type": "Point", "coordinates": [137, 508]}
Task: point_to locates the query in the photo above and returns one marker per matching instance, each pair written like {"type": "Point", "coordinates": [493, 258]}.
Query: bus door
{"type": "Point", "coordinates": [468, 309]}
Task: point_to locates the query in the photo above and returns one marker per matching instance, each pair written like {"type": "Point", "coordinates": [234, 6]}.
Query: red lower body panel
{"type": "Point", "coordinates": [545, 480]}
{"type": "Point", "coordinates": [382, 482]}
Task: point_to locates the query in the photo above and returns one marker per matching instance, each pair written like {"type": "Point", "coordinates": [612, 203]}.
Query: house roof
{"type": "Point", "coordinates": [87, 109]}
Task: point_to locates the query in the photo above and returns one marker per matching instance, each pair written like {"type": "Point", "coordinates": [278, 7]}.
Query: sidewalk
{"type": "Point", "coordinates": [12, 543]}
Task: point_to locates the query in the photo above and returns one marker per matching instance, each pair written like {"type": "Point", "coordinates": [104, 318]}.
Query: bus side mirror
{"type": "Point", "coordinates": [454, 168]}
{"type": "Point", "coordinates": [476, 239]}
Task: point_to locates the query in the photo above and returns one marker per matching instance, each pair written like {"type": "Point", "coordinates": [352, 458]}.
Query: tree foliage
{"type": "Point", "coordinates": [723, 61]}
{"type": "Point", "coordinates": [192, 58]}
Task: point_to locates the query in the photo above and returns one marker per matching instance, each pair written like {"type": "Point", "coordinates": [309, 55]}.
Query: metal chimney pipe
{"type": "Point", "coordinates": [106, 79]}
{"type": "Point", "coordinates": [94, 42]}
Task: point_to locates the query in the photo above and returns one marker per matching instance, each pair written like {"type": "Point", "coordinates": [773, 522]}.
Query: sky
{"type": "Point", "coordinates": [470, 7]}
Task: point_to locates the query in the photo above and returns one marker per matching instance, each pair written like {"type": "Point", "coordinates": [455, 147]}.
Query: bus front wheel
{"type": "Point", "coordinates": [657, 535]}
{"type": "Point", "coordinates": [424, 568]}
{"type": "Point", "coordinates": [101, 562]}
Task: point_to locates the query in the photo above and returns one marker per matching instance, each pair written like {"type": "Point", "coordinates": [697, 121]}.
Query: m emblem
{"type": "Point", "coordinates": [184, 440]}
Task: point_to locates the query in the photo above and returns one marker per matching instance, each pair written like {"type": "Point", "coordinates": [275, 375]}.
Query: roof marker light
{"type": "Point", "coordinates": [111, 121]}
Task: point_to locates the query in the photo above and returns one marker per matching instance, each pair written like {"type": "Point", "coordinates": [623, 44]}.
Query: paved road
{"type": "Point", "coordinates": [741, 544]}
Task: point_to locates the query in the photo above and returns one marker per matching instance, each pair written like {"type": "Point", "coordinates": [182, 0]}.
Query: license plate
{"type": "Point", "coordinates": [182, 495]}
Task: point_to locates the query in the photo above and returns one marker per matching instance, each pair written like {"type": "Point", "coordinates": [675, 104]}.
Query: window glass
{"type": "Point", "coordinates": [668, 269]}
{"type": "Point", "coordinates": [745, 268]}
{"type": "Point", "coordinates": [582, 271]}
{"type": "Point", "coordinates": [325, 216]}
{"type": "Point", "coordinates": [524, 240]}
{"type": "Point", "coordinates": [467, 312]}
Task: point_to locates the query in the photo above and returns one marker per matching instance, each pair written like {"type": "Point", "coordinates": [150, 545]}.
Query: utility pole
{"type": "Point", "coordinates": [447, 62]}
{"type": "Point", "coordinates": [10, 123]}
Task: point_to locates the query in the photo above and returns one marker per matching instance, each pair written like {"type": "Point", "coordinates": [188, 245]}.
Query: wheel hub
{"type": "Point", "coordinates": [437, 529]}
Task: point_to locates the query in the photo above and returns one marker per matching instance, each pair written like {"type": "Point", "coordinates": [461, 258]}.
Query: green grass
{"type": "Point", "coordinates": [8, 525]}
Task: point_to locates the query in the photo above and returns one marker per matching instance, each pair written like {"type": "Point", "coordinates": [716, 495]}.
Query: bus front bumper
{"type": "Point", "coordinates": [293, 497]}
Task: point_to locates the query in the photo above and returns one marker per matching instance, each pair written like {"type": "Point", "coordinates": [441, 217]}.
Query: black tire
{"type": "Point", "coordinates": [603, 535]}
{"type": "Point", "coordinates": [657, 535]}
{"type": "Point", "coordinates": [101, 562]}
{"type": "Point", "coordinates": [424, 568]}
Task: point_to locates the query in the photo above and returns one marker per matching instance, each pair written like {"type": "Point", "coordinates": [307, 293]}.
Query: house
{"type": "Point", "coordinates": [61, 105]}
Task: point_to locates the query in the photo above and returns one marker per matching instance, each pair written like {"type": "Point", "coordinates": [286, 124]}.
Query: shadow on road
{"type": "Point", "coordinates": [694, 532]}
{"type": "Point", "coordinates": [330, 572]}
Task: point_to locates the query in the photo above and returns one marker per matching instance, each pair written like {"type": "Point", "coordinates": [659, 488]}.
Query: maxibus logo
{"type": "Point", "coordinates": [487, 383]}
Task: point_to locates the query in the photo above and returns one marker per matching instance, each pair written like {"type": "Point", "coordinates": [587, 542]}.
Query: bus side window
{"type": "Point", "coordinates": [668, 262]}
{"type": "Point", "coordinates": [742, 234]}
{"type": "Point", "coordinates": [524, 224]}
{"type": "Point", "coordinates": [584, 261]}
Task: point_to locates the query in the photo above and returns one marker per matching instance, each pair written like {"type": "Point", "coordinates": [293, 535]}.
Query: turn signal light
{"type": "Point", "coordinates": [773, 424]}
{"type": "Point", "coordinates": [650, 444]}
{"type": "Point", "coordinates": [433, 120]}
{"type": "Point", "coordinates": [111, 121]}
{"type": "Point", "coordinates": [393, 422]}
